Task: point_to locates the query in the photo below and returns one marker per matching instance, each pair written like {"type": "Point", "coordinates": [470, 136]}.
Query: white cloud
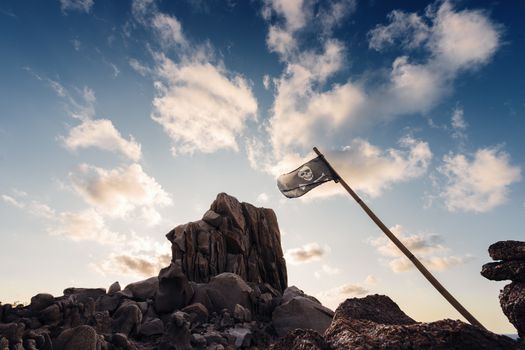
{"type": "Point", "coordinates": [410, 29]}
{"type": "Point", "coordinates": [120, 191]}
{"type": "Point", "coordinates": [138, 256]}
{"type": "Point", "coordinates": [76, 5]}
{"type": "Point", "coordinates": [367, 167]}
{"type": "Point", "coordinates": [86, 225]}
{"type": "Point", "coordinates": [308, 110]}
{"type": "Point", "coordinates": [333, 297]}
{"type": "Point", "coordinates": [266, 81]}
{"type": "Point", "coordinates": [426, 247]}
{"type": "Point", "coordinates": [305, 254]}
{"type": "Point", "coordinates": [455, 39]}
{"type": "Point", "coordinates": [478, 184]}
{"type": "Point", "coordinates": [201, 106]}
{"type": "Point", "coordinates": [371, 280]}
{"type": "Point", "coordinates": [262, 198]}
{"type": "Point", "coordinates": [101, 133]}
{"type": "Point", "coordinates": [458, 124]}
{"type": "Point", "coordinates": [32, 207]}
{"type": "Point", "coordinates": [169, 30]}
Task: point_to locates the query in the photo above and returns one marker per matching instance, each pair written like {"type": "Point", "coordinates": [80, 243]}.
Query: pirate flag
{"type": "Point", "coordinates": [304, 178]}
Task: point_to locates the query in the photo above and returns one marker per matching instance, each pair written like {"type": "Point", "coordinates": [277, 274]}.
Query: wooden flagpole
{"type": "Point", "coordinates": [402, 247]}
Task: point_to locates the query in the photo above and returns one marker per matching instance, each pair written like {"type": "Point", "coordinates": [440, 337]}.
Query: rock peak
{"type": "Point", "coordinates": [232, 236]}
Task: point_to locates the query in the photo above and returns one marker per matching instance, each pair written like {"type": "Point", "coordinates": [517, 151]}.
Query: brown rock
{"type": "Point", "coordinates": [507, 250]}
{"type": "Point", "coordinates": [441, 335]}
{"type": "Point", "coordinates": [376, 308]}
{"type": "Point", "coordinates": [197, 311]}
{"type": "Point", "coordinates": [513, 270]}
{"type": "Point", "coordinates": [512, 301]}
{"type": "Point", "coordinates": [78, 338]}
{"type": "Point", "coordinates": [174, 290]}
{"type": "Point", "coordinates": [232, 237]}
{"type": "Point", "coordinates": [301, 339]}
{"type": "Point", "coordinates": [387, 327]}
{"type": "Point", "coordinates": [145, 289]}
{"type": "Point", "coordinates": [127, 319]}
{"type": "Point", "coordinates": [41, 301]}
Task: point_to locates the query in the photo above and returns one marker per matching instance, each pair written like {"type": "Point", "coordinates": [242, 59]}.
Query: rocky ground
{"type": "Point", "coordinates": [226, 288]}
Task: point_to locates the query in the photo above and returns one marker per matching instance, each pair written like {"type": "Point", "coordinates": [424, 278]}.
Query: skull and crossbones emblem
{"type": "Point", "coordinates": [305, 173]}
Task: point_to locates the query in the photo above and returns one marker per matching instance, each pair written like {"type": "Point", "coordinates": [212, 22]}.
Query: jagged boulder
{"type": "Point", "coordinates": [301, 312]}
{"type": "Point", "coordinates": [513, 270]}
{"type": "Point", "coordinates": [507, 250]}
{"type": "Point", "coordinates": [376, 308]}
{"type": "Point", "coordinates": [231, 237]}
{"type": "Point", "coordinates": [78, 338]}
{"type": "Point", "coordinates": [511, 267]}
{"type": "Point", "coordinates": [145, 289]}
{"type": "Point", "coordinates": [174, 290]}
{"type": "Point", "coordinates": [512, 301]}
{"type": "Point", "coordinates": [389, 328]}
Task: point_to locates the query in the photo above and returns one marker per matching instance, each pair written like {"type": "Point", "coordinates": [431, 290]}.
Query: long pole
{"type": "Point", "coordinates": [402, 247]}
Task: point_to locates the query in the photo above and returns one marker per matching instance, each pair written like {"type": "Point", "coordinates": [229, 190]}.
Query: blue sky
{"type": "Point", "coordinates": [120, 120]}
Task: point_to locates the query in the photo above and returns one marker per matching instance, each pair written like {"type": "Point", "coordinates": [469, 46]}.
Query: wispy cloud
{"type": "Point", "coordinates": [480, 182]}
{"type": "Point", "coordinates": [195, 94]}
{"type": "Point", "coordinates": [139, 256]}
{"type": "Point", "coordinates": [76, 5]}
{"type": "Point", "coordinates": [118, 192]}
{"type": "Point", "coordinates": [308, 109]}
{"type": "Point", "coordinates": [102, 134]}
{"type": "Point", "coordinates": [305, 254]}
{"type": "Point", "coordinates": [428, 248]}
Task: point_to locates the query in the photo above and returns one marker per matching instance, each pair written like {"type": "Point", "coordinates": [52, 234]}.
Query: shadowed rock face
{"type": "Point", "coordinates": [511, 267]}
{"type": "Point", "coordinates": [231, 237]}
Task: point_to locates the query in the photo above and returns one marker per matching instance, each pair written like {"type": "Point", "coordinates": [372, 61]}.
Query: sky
{"type": "Point", "coordinates": [121, 120]}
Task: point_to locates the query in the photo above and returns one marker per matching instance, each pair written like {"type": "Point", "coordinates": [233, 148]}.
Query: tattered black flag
{"type": "Point", "coordinates": [304, 178]}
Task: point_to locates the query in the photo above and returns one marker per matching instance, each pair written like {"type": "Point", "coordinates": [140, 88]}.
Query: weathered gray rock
{"type": "Point", "coordinates": [41, 301]}
{"type": "Point", "coordinates": [243, 336]}
{"type": "Point", "coordinates": [301, 312]}
{"type": "Point", "coordinates": [301, 339]}
{"type": "Point", "coordinates": [78, 338]}
{"type": "Point", "coordinates": [115, 287]}
{"type": "Point", "coordinates": [232, 237]}
{"type": "Point", "coordinates": [513, 270]}
{"type": "Point", "coordinates": [145, 289]}
{"type": "Point", "coordinates": [174, 290]}
{"type": "Point", "coordinates": [512, 301]}
{"type": "Point", "coordinates": [507, 250]}
{"type": "Point", "coordinates": [127, 319]}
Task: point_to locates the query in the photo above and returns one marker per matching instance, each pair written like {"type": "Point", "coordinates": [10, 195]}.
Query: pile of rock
{"type": "Point", "coordinates": [226, 313]}
{"type": "Point", "coordinates": [376, 322]}
{"type": "Point", "coordinates": [226, 288]}
{"type": "Point", "coordinates": [510, 265]}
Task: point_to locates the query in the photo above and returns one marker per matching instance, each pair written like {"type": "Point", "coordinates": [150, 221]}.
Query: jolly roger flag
{"type": "Point", "coordinates": [304, 178]}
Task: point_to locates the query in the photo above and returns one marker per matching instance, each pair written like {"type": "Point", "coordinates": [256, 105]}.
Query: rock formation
{"type": "Point", "coordinates": [510, 267]}
{"type": "Point", "coordinates": [226, 288]}
{"type": "Point", "coordinates": [231, 237]}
